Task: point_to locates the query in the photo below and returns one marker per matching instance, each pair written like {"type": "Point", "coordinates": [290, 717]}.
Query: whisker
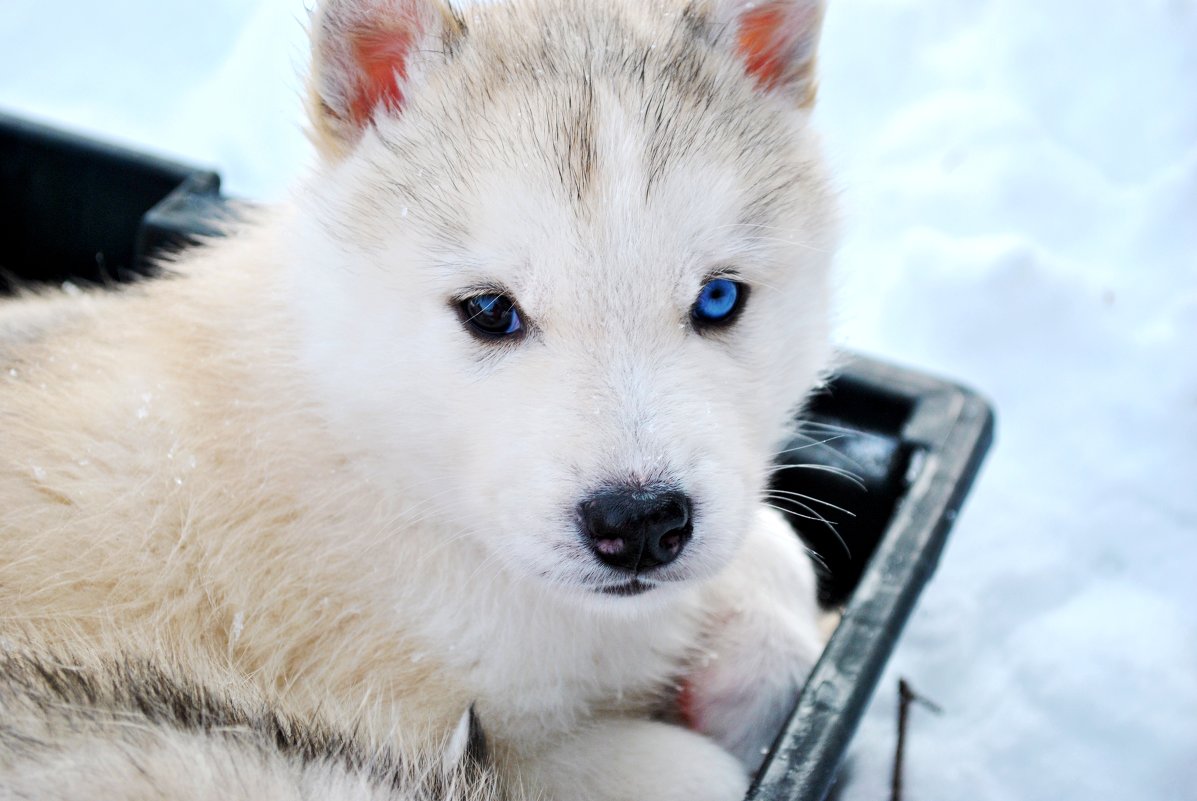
{"type": "Point", "coordinates": [790, 512]}
{"type": "Point", "coordinates": [817, 558]}
{"type": "Point", "coordinates": [824, 427]}
{"type": "Point", "coordinates": [839, 453]}
{"type": "Point", "coordinates": [830, 526]}
{"type": "Point", "coordinates": [825, 468]}
{"type": "Point", "coordinates": [813, 500]}
{"type": "Point", "coordinates": [813, 444]}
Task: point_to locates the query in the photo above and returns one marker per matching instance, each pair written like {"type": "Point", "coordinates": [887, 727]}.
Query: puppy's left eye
{"type": "Point", "coordinates": [491, 316]}
{"type": "Point", "coordinates": [719, 303]}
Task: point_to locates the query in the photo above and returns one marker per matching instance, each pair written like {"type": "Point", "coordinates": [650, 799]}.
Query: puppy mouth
{"type": "Point", "coordinates": [627, 589]}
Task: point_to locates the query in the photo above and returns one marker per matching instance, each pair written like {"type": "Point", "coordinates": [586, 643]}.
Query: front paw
{"type": "Point", "coordinates": [634, 760]}
{"type": "Point", "coordinates": [764, 637]}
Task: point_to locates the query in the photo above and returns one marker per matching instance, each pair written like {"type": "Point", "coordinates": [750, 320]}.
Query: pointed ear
{"type": "Point", "coordinates": [365, 55]}
{"type": "Point", "coordinates": [778, 42]}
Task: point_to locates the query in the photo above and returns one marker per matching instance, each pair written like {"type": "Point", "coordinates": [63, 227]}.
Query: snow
{"type": "Point", "coordinates": [1020, 187]}
{"type": "Point", "coordinates": [1021, 180]}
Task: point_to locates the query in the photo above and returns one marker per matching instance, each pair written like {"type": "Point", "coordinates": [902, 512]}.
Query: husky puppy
{"type": "Point", "coordinates": [483, 417]}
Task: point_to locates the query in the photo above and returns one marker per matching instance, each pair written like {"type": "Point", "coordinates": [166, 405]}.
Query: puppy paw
{"type": "Point", "coordinates": [765, 635]}
{"type": "Point", "coordinates": [635, 760]}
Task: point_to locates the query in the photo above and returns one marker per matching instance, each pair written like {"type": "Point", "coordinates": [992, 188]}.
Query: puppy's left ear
{"type": "Point", "coordinates": [777, 40]}
{"type": "Point", "coordinates": [367, 58]}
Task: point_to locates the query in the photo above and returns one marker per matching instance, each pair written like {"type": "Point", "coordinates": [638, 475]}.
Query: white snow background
{"type": "Point", "coordinates": [1020, 184]}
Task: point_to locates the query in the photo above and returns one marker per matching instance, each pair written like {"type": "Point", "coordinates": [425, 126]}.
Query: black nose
{"type": "Point", "coordinates": [636, 528]}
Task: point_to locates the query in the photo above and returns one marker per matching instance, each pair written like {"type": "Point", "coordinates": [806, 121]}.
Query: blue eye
{"type": "Point", "coordinates": [491, 316]}
{"type": "Point", "coordinates": [719, 302]}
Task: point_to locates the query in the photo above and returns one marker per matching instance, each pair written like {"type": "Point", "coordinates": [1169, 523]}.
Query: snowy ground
{"type": "Point", "coordinates": [1020, 179]}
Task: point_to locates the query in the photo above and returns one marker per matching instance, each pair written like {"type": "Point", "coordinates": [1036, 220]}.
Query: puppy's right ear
{"type": "Point", "coordinates": [367, 57]}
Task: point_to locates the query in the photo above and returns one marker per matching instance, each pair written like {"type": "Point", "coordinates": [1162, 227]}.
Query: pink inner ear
{"type": "Point", "coordinates": [769, 40]}
{"type": "Point", "coordinates": [380, 58]}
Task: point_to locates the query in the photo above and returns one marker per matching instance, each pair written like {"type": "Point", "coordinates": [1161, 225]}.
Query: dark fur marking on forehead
{"type": "Point", "coordinates": [697, 23]}
{"type": "Point", "coordinates": [561, 63]}
{"type": "Point", "coordinates": [688, 104]}
{"type": "Point", "coordinates": [672, 133]}
{"type": "Point", "coordinates": [575, 136]}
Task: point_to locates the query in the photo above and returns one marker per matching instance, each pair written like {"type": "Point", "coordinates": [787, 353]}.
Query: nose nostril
{"type": "Point", "coordinates": [609, 546]}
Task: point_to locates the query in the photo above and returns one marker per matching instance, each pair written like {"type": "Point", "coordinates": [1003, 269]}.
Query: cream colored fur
{"type": "Point", "coordinates": [289, 465]}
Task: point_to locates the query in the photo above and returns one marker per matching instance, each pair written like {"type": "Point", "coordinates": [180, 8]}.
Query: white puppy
{"type": "Point", "coordinates": [485, 416]}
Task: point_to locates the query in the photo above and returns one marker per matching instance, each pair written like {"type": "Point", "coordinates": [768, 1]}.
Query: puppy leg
{"type": "Point", "coordinates": [635, 760]}
{"type": "Point", "coordinates": [763, 639]}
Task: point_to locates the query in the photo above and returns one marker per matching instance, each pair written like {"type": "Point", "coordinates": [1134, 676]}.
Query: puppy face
{"type": "Point", "coordinates": [569, 288]}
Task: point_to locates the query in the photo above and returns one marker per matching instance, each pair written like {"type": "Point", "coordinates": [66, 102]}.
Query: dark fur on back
{"type": "Point", "coordinates": [53, 710]}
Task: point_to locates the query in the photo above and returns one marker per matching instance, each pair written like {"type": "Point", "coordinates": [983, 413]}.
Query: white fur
{"type": "Point", "coordinates": [293, 464]}
{"type": "Point", "coordinates": [762, 646]}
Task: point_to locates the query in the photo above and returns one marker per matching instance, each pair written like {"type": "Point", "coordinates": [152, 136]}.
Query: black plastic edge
{"type": "Point", "coordinates": [180, 219]}
{"type": "Point", "coordinates": [951, 428]}
{"type": "Point", "coordinates": [188, 208]}
{"type": "Point", "coordinates": [58, 137]}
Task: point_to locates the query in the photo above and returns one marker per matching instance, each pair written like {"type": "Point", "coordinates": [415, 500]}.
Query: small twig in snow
{"type": "Point", "coordinates": [906, 696]}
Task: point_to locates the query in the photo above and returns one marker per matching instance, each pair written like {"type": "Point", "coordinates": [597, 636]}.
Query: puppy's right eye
{"type": "Point", "coordinates": [491, 316]}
